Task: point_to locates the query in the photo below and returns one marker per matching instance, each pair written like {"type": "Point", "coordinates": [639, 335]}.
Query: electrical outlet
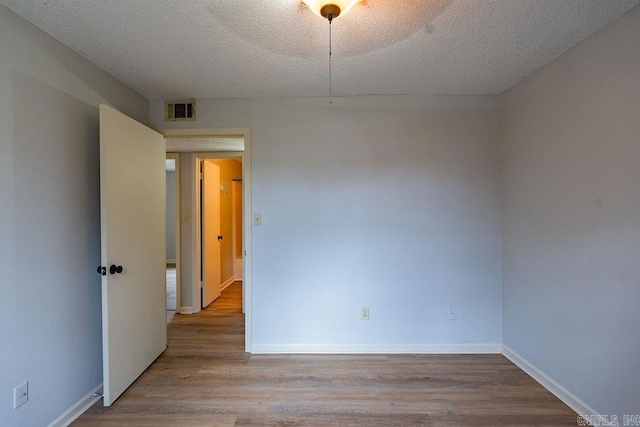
{"type": "Point", "coordinates": [453, 313]}
{"type": "Point", "coordinates": [364, 313]}
{"type": "Point", "coordinates": [20, 395]}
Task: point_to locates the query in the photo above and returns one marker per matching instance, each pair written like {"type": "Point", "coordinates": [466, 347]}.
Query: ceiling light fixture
{"type": "Point", "coordinates": [330, 10]}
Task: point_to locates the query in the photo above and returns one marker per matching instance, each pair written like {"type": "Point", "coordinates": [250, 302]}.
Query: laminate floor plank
{"type": "Point", "coordinates": [171, 288]}
{"type": "Point", "coordinates": [204, 378]}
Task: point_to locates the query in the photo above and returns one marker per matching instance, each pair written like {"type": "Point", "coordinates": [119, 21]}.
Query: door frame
{"type": "Point", "coordinates": [244, 133]}
{"type": "Point", "coordinates": [176, 207]}
{"type": "Point", "coordinates": [235, 219]}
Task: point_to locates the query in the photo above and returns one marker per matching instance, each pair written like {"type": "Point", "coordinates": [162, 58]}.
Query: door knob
{"type": "Point", "coordinates": [102, 270]}
{"type": "Point", "coordinates": [115, 269]}
{"type": "Point", "coordinates": [220, 238]}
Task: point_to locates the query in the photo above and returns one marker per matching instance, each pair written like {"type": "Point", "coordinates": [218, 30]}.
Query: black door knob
{"type": "Point", "coordinates": [220, 238]}
{"type": "Point", "coordinates": [102, 270]}
{"type": "Point", "coordinates": [115, 269]}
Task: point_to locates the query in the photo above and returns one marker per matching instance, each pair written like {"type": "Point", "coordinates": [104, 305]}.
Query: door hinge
{"type": "Point", "coordinates": [201, 285]}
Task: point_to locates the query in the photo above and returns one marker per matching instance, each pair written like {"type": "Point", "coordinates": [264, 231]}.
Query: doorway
{"type": "Point", "coordinates": [219, 231]}
{"type": "Point", "coordinates": [214, 143]}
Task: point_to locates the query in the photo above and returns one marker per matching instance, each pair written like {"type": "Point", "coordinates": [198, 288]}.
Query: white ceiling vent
{"type": "Point", "coordinates": [182, 110]}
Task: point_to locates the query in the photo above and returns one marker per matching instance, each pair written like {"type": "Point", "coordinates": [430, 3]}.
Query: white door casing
{"type": "Point", "coordinates": [210, 231]}
{"type": "Point", "coordinates": [132, 209]}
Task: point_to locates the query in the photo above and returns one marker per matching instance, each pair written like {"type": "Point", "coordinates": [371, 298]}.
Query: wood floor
{"type": "Point", "coordinates": [204, 378]}
{"type": "Point", "coordinates": [171, 288]}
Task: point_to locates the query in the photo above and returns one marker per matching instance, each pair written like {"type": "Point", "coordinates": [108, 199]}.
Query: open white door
{"type": "Point", "coordinates": [210, 232]}
{"type": "Point", "coordinates": [132, 209]}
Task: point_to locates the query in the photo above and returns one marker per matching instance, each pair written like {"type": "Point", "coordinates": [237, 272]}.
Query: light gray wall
{"type": "Point", "coordinates": [389, 203]}
{"type": "Point", "coordinates": [171, 216]}
{"type": "Point", "coordinates": [571, 163]}
{"type": "Point", "coordinates": [50, 327]}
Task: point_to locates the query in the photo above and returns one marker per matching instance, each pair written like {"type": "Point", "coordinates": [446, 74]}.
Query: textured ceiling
{"type": "Point", "coordinates": [279, 48]}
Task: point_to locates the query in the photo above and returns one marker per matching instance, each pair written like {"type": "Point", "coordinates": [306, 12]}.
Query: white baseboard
{"type": "Point", "coordinates": [226, 284]}
{"type": "Point", "coordinates": [547, 382]}
{"type": "Point", "coordinates": [187, 310]}
{"type": "Point", "coordinates": [489, 348]}
{"type": "Point", "coordinates": [78, 408]}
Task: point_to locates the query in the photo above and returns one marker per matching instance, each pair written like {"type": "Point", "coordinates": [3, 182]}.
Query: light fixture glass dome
{"type": "Point", "coordinates": [317, 5]}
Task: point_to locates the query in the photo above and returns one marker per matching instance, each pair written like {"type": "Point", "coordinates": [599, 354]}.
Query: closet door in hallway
{"type": "Point", "coordinates": [210, 232]}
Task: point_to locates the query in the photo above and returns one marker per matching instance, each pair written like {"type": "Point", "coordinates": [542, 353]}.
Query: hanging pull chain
{"type": "Point", "coordinates": [330, 18]}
